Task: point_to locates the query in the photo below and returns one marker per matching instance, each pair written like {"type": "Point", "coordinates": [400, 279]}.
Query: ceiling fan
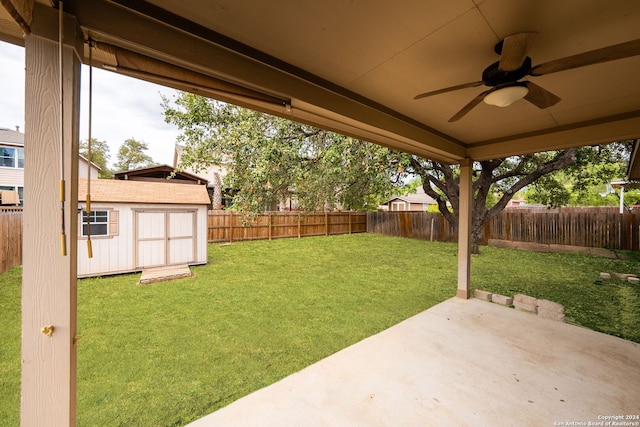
{"type": "Point", "coordinates": [504, 77]}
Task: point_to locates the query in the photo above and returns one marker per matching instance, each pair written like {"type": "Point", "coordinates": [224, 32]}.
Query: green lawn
{"type": "Point", "coordinates": [168, 353]}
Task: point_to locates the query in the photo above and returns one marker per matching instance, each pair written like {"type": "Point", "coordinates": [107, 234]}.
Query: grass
{"type": "Point", "coordinates": [168, 353]}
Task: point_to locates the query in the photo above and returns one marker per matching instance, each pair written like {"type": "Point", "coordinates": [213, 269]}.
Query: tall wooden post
{"type": "Point", "coordinates": [326, 223]}
{"type": "Point", "coordinates": [464, 229]}
{"type": "Point", "coordinates": [49, 278]}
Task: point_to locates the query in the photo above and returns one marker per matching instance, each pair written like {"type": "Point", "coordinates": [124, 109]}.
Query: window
{"type": "Point", "coordinates": [12, 157]}
{"type": "Point", "coordinates": [98, 221]}
{"type": "Point", "coordinates": [20, 153]}
{"type": "Point", "coordinates": [7, 157]}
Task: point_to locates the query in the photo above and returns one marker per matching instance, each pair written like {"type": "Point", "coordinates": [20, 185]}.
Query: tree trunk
{"type": "Point", "coordinates": [217, 192]}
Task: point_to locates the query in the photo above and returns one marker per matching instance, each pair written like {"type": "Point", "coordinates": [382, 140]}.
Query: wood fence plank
{"type": "Point", "coordinates": [10, 237]}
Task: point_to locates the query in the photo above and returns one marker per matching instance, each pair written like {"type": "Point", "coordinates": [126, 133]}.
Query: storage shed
{"type": "Point", "coordinates": [136, 225]}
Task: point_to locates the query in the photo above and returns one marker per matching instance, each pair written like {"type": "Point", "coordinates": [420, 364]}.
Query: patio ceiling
{"type": "Point", "coordinates": [355, 66]}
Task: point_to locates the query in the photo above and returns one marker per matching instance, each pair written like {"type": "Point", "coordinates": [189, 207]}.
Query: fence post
{"type": "Point", "coordinates": [230, 226]}
{"type": "Point", "coordinates": [299, 219]}
{"type": "Point", "coordinates": [349, 222]}
{"type": "Point", "coordinates": [269, 222]}
{"type": "Point", "coordinates": [431, 231]}
{"type": "Point", "coordinates": [487, 232]}
{"type": "Point", "coordinates": [326, 223]}
{"type": "Point", "coordinates": [627, 233]}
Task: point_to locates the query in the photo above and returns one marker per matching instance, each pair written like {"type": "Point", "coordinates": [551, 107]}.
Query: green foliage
{"type": "Point", "coordinates": [632, 197]}
{"type": "Point", "coordinates": [132, 155]}
{"type": "Point", "coordinates": [271, 159]}
{"type": "Point", "coordinates": [550, 192]}
{"type": "Point", "coordinates": [99, 155]}
{"type": "Point", "coordinates": [581, 183]}
{"type": "Point", "coordinates": [412, 186]}
{"type": "Point", "coordinates": [433, 208]}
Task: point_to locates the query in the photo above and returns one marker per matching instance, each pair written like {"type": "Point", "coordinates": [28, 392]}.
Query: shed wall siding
{"type": "Point", "coordinates": [202, 231]}
{"type": "Point", "coordinates": [110, 254]}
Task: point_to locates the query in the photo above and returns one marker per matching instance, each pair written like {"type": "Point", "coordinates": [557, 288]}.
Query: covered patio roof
{"type": "Point", "coordinates": [408, 74]}
{"type": "Point", "coordinates": [355, 67]}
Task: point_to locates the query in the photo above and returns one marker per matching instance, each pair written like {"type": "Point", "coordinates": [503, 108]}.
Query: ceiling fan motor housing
{"type": "Point", "coordinates": [494, 76]}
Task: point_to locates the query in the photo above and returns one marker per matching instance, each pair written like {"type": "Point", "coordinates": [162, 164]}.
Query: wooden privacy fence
{"type": "Point", "coordinates": [579, 227]}
{"type": "Point", "coordinates": [10, 237]}
{"type": "Point", "coordinates": [596, 228]}
{"type": "Point", "coordinates": [227, 226]}
{"type": "Point", "coordinates": [415, 225]}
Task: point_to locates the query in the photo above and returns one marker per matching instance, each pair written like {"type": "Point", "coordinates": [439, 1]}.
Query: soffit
{"type": "Point", "coordinates": [355, 66]}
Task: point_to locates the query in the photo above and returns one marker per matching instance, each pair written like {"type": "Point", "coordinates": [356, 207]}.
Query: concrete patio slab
{"type": "Point", "coordinates": [460, 363]}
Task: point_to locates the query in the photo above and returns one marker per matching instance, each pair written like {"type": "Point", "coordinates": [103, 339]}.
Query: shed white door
{"type": "Point", "coordinates": [164, 237]}
{"type": "Point", "coordinates": [181, 237]}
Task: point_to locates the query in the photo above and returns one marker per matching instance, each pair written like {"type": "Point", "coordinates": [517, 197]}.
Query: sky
{"type": "Point", "coordinates": [123, 107]}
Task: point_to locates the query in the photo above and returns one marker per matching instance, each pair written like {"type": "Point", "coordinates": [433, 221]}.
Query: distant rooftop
{"type": "Point", "coordinates": [418, 197]}
{"type": "Point", "coordinates": [12, 136]}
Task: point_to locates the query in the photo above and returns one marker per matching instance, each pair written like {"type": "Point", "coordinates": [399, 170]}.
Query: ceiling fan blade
{"type": "Point", "coordinates": [515, 49]}
{"type": "Point", "coordinates": [540, 97]}
{"type": "Point", "coordinates": [605, 54]}
{"type": "Point", "coordinates": [448, 89]}
{"type": "Point", "coordinates": [475, 101]}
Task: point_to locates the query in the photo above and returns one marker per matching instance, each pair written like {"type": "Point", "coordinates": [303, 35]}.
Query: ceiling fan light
{"type": "Point", "coordinates": [506, 96]}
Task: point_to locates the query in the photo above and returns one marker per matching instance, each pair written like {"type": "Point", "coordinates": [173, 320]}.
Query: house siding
{"type": "Point", "coordinates": [11, 177]}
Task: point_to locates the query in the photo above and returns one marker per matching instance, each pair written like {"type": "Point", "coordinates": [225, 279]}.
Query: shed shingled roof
{"type": "Point", "coordinates": [111, 190]}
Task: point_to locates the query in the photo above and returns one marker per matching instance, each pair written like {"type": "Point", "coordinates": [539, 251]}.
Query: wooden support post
{"type": "Point", "coordinates": [270, 231]}
{"type": "Point", "coordinates": [49, 279]}
{"type": "Point", "coordinates": [326, 223]}
{"type": "Point", "coordinates": [230, 226]}
{"type": "Point", "coordinates": [298, 225]}
{"type": "Point", "coordinates": [464, 229]}
{"type": "Point", "coordinates": [349, 222]}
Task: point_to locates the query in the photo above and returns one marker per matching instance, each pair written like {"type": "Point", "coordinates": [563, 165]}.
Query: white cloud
{"type": "Point", "coordinates": [11, 86]}
{"type": "Point", "coordinates": [123, 107]}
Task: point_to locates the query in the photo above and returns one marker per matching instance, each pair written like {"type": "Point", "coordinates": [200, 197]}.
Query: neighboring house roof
{"type": "Point", "coordinates": [418, 197]}
{"type": "Point", "coordinates": [160, 173]}
{"type": "Point", "coordinates": [209, 173]}
{"type": "Point", "coordinates": [119, 191]}
{"type": "Point", "coordinates": [92, 164]}
{"type": "Point", "coordinates": [11, 136]}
